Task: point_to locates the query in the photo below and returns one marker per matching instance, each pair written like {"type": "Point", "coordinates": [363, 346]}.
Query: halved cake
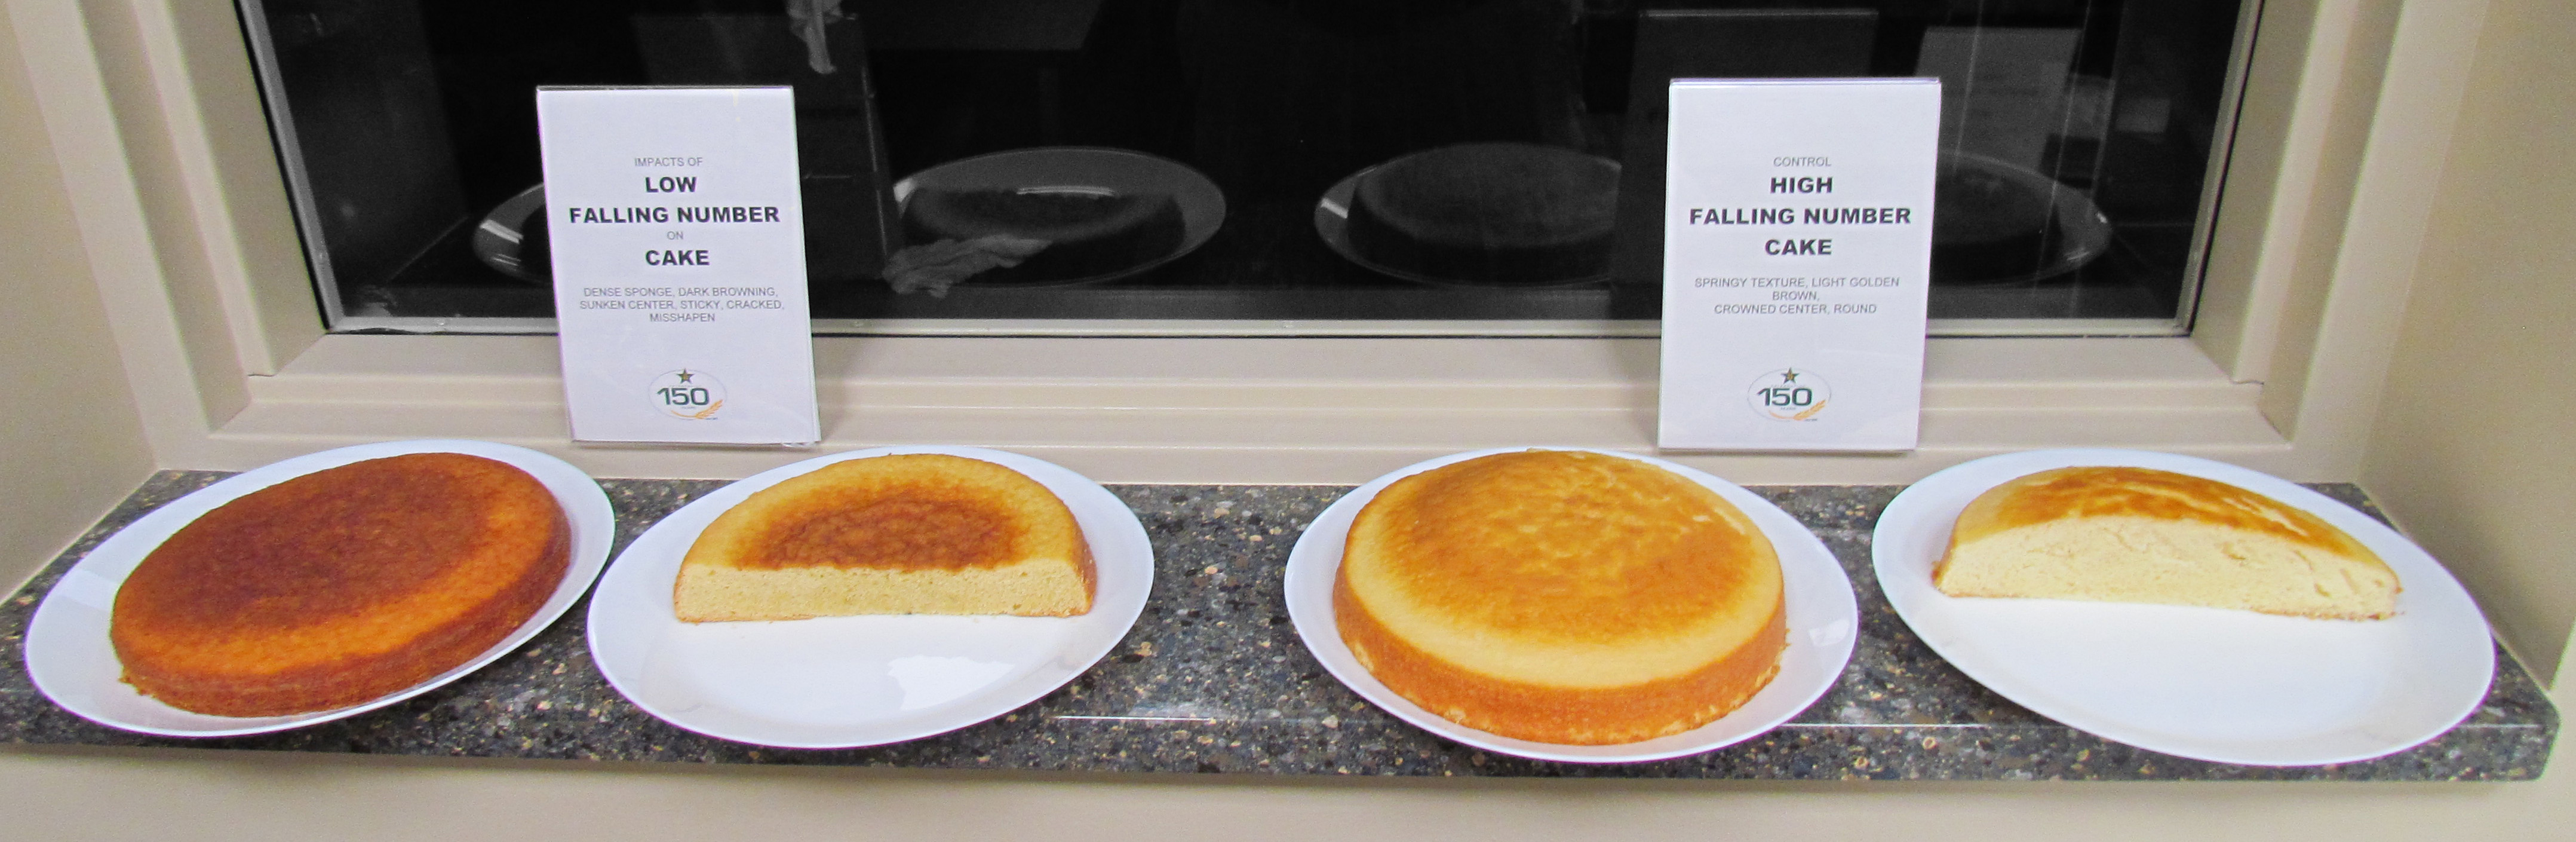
{"type": "Point", "coordinates": [1562, 597]}
{"type": "Point", "coordinates": [916, 533]}
{"type": "Point", "coordinates": [2121, 534]}
{"type": "Point", "coordinates": [340, 586]}
{"type": "Point", "coordinates": [1088, 231]}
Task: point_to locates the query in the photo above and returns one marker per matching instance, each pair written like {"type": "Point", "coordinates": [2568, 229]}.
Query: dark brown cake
{"type": "Point", "coordinates": [1088, 231]}
{"type": "Point", "coordinates": [1988, 225]}
{"type": "Point", "coordinates": [1488, 212]}
{"type": "Point", "coordinates": [340, 586]}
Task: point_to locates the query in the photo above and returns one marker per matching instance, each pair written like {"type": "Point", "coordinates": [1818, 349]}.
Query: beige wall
{"type": "Point", "coordinates": [2434, 457]}
{"type": "Point", "coordinates": [2473, 452]}
{"type": "Point", "coordinates": [70, 442]}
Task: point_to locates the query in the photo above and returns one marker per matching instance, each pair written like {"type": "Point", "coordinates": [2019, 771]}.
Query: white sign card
{"type": "Point", "coordinates": [1797, 255]}
{"type": "Point", "coordinates": [679, 264]}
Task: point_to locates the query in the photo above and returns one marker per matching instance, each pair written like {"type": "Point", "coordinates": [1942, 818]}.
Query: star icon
{"type": "Point", "coordinates": [685, 374]}
{"type": "Point", "coordinates": [1788, 376]}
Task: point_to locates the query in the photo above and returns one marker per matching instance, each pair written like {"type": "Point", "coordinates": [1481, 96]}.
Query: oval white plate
{"type": "Point", "coordinates": [1823, 620]}
{"type": "Point", "coordinates": [72, 662]}
{"type": "Point", "coordinates": [2204, 683]}
{"type": "Point", "coordinates": [1121, 170]}
{"type": "Point", "coordinates": [843, 682]}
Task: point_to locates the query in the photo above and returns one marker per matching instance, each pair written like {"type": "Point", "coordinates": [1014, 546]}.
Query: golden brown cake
{"type": "Point", "coordinates": [907, 534]}
{"type": "Point", "coordinates": [2144, 535]}
{"type": "Point", "coordinates": [340, 586]}
{"type": "Point", "coordinates": [1562, 597]}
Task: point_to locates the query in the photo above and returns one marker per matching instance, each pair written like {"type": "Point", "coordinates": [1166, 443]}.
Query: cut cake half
{"type": "Point", "coordinates": [900, 534]}
{"type": "Point", "coordinates": [2122, 534]}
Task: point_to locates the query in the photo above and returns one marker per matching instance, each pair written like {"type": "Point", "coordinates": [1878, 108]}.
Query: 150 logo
{"type": "Point", "coordinates": [688, 393]}
{"type": "Point", "coordinates": [1789, 394]}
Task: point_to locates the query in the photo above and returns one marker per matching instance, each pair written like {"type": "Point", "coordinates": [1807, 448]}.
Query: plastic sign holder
{"type": "Point", "coordinates": [1797, 255]}
{"type": "Point", "coordinates": [679, 264]}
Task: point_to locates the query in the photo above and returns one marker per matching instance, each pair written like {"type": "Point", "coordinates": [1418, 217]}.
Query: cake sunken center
{"type": "Point", "coordinates": [917, 527]}
{"type": "Point", "coordinates": [331, 543]}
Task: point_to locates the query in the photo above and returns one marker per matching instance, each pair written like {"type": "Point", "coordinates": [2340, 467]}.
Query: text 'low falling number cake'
{"type": "Point", "coordinates": [916, 533]}
{"type": "Point", "coordinates": [1562, 597]}
{"type": "Point", "coordinates": [2122, 534]}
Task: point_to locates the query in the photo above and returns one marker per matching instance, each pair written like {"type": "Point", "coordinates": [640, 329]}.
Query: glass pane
{"type": "Point", "coordinates": [1442, 162]}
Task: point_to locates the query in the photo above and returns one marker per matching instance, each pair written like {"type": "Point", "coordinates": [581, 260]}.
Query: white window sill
{"type": "Point", "coordinates": [1256, 410]}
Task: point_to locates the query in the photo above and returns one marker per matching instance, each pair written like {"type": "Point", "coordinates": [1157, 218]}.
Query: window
{"type": "Point", "coordinates": [2079, 133]}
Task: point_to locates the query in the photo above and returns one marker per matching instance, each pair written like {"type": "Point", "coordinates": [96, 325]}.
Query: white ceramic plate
{"type": "Point", "coordinates": [72, 662]}
{"type": "Point", "coordinates": [1083, 168]}
{"type": "Point", "coordinates": [1823, 619]}
{"type": "Point", "coordinates": [2204, 683]}
{"type": "Point", "coordinates": [842, 682]}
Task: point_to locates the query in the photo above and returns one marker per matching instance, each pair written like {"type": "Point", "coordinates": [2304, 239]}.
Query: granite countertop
{"type": "Point", "coordinates": [1213, 680]}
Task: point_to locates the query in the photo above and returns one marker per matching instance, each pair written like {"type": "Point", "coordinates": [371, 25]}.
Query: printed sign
{"type": "Point", "coordinates": [679, 264]}
{"type": "Point", "coordinates": [1797, 255]}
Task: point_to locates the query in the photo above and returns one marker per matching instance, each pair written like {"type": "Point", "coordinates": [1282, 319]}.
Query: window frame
{"type": "Point", "coordinates": [2345, 111]}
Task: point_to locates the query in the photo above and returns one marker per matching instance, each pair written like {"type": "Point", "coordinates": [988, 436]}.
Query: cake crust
{"type": "Point", "coordinates": [1562, 597]}
{"type": "Point", "coordinates": [899, 534]}
{"type": "Point", "coordinates": [340, 586]}
{"type": "Point", "coordinates": [2126, 534]}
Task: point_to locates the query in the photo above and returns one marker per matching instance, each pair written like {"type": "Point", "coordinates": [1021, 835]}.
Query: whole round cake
{"type": "Point", "coordinates": [1088, 231]}
{"type": "Point", "coordinates": [340, 586]}
{"type": "Point", "coordinates": [1488, 212]}
{"type": "Point", "coordinates": [1562, 597]}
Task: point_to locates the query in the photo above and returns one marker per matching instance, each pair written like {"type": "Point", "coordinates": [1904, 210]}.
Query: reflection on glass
{"type": "Point", "coordinates": [1436, 160]}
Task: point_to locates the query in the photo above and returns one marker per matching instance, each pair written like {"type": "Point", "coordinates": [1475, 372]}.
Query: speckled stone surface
{"type": "Point", "coordinates": [1213, 680]}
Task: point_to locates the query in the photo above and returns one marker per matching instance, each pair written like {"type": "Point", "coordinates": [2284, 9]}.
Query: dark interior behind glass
{"type": "Point", "coordinates": [408, 127]}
